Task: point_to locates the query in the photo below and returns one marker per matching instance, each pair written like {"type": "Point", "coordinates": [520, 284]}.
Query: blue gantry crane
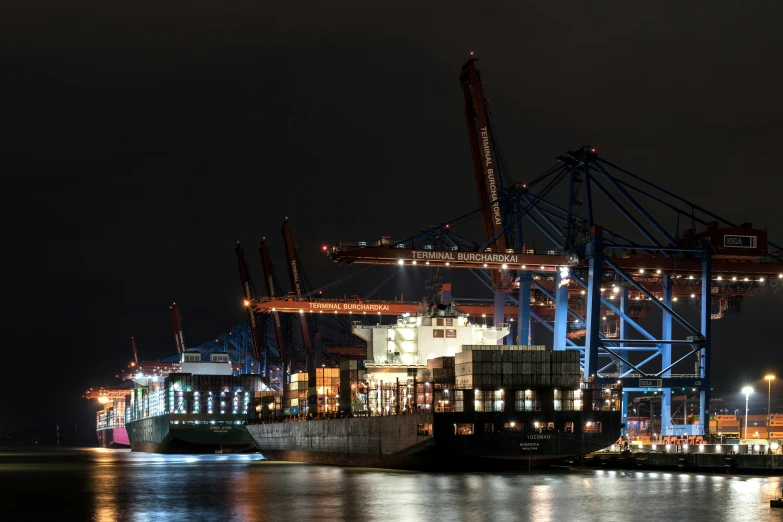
{"type": "Point", "coordinates": [661, 251]}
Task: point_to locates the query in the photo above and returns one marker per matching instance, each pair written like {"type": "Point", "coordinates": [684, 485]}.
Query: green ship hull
{"type": "Point", "coordinates": [190, 433]}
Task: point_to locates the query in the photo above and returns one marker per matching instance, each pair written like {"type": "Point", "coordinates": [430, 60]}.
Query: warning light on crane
{"type": "Point", "coordinates": [246, 302]}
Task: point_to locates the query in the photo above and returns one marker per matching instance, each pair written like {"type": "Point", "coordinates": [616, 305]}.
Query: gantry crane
{"type": "Point", "coordinates": [259, 348]}
{"type": "Point", "coordinates": [297, 289]}
{"type": "Point", "coordinates": [282, 345]}
{"type": "Point", "coordinates": [176, 328]}
{"type": "Point", "coordinates": [606, 272]}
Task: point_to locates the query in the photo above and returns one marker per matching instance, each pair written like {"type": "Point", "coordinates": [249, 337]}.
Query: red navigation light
{"type": "Point", "coordinates": [524, 185]}
{"type": "Point", "coordinates": [471, 53]}
{"type": "Point", "coordinates": [324, 248]}
{"type": "Point", "coordinates": [592, 150]}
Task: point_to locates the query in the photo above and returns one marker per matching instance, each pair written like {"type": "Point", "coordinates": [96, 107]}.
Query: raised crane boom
{"type": "Point", "coordinates": [135, 352]}
{"type": "Point", "coordinates": [176, 328]}
{"type": "Point", "coordinates": [269, 279]}
{"type": "Point", "coordinates": [485, 168]}
{"type": "Point", "coordinates": [297, 286]}
{"type": "Point", "coordinates": [244, 276]}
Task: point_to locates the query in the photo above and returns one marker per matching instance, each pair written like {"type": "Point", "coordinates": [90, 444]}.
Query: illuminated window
{"type": "Point", "coordinates": [451, 333]}
{"type": "Point", "coordinates": [512, 426]}
{"type": "Point", "coordinates": [424, 430]}
{"type": "Point", "coordinates": [593, 427]}
{"type": "Point", "coordinates": [438, 332]}
{"type": "Point", "coordinates": [527, 401]}
{"type": "Point", "coordinates": [463, 429]}
{"type": "Point", "coordinates": [459, 400]}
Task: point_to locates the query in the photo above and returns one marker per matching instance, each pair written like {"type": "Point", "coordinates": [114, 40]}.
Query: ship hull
{"type": "Point", "coordinates": [528, 443]}
{"type": "Point", "coordinates": [428, 442]}
{"type": "Point", "coordinates": [164, 434]}
{"type": "Point", "coordinates": [112, 437]}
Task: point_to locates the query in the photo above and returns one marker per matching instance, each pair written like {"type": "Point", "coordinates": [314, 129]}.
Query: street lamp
{"type": "Point", "coordinates": [747, 390]}
{"type": "Point", "coordinates": [769, 377]}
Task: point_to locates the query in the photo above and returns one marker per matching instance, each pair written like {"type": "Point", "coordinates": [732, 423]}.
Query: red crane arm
{"type": "Point", "coordinates": [135, 351]}
{"type": "Point", "coordinates": [485, 168]}
{"type": "Point", "coordinates": [176, 327]}
{"type": "Point", "coordinates": [244, 277]}
{"type": "Point", "coordinates": [269, 278]}
{"type": "Point", "coordinates": [296, 279]}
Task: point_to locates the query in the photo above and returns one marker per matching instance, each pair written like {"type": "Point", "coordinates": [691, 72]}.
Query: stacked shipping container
{"type": "Point", "coordinates": [324, 390]}
{"type": "Point", "coordinates": [185, 393]}
{"type": "Point", "coordinates": [113, 415]}
{"type": "Point", "coordinates": [353, 387]}
{"type": "Point", "coordinates": [295, 395]}
{"type": "Point", "coordinates": [516, 367]}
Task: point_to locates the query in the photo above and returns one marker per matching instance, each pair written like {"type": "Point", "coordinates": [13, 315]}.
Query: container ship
{"type": "Point", "coordinates": [438, 392]}
{"type": "Point", "coordinates": [201, 408]}
{"type": "Point", "coordinates": [110, 419]}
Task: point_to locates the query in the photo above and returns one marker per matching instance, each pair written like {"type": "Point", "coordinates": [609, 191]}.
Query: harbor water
{"type": "Point", "coordinates": [109, 485]}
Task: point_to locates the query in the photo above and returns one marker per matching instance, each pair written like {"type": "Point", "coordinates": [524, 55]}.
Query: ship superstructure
{"type": "Point", "coordinates": [415, 338]}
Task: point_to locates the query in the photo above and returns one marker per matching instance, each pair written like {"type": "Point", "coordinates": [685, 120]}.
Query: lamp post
{"type": "Point", "coordinates": [747, 390]}
{"type": "Point", "coordinates": [769, 377]}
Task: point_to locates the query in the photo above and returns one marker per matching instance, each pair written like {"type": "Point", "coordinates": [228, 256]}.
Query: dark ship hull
{"type": "Point", "coordinates": [173, 434]}
{"type": "Point", "coordinates": [428, 441]}
{"type": "Point", "coordinates": [112, 437]}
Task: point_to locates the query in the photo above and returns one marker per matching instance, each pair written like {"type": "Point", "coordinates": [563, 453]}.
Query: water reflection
{"type": "Point", "coordinates": [112, 485]}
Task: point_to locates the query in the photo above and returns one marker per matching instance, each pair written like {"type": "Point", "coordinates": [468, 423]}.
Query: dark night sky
{"type": "Point", "coordinates": [141, 140]}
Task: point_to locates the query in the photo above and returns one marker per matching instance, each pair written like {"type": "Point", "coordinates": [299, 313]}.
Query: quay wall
{"type": "Point", "coordinates": [736, 463]}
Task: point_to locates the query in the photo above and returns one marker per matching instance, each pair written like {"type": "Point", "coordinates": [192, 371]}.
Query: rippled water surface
{"type": "Point", "coordinates": [108, 485]}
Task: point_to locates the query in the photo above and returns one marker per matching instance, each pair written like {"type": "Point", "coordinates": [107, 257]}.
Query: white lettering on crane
{"type": "Point", "coordinates": [478, 257]}
{"type": "Point", "coordinates": [350, 306]}
{"type": "Point", "coordinates": [491, 182]}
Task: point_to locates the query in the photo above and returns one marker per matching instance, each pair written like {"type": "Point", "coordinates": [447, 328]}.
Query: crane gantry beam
{"type": "Point", "coordinates": [550, 262]}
